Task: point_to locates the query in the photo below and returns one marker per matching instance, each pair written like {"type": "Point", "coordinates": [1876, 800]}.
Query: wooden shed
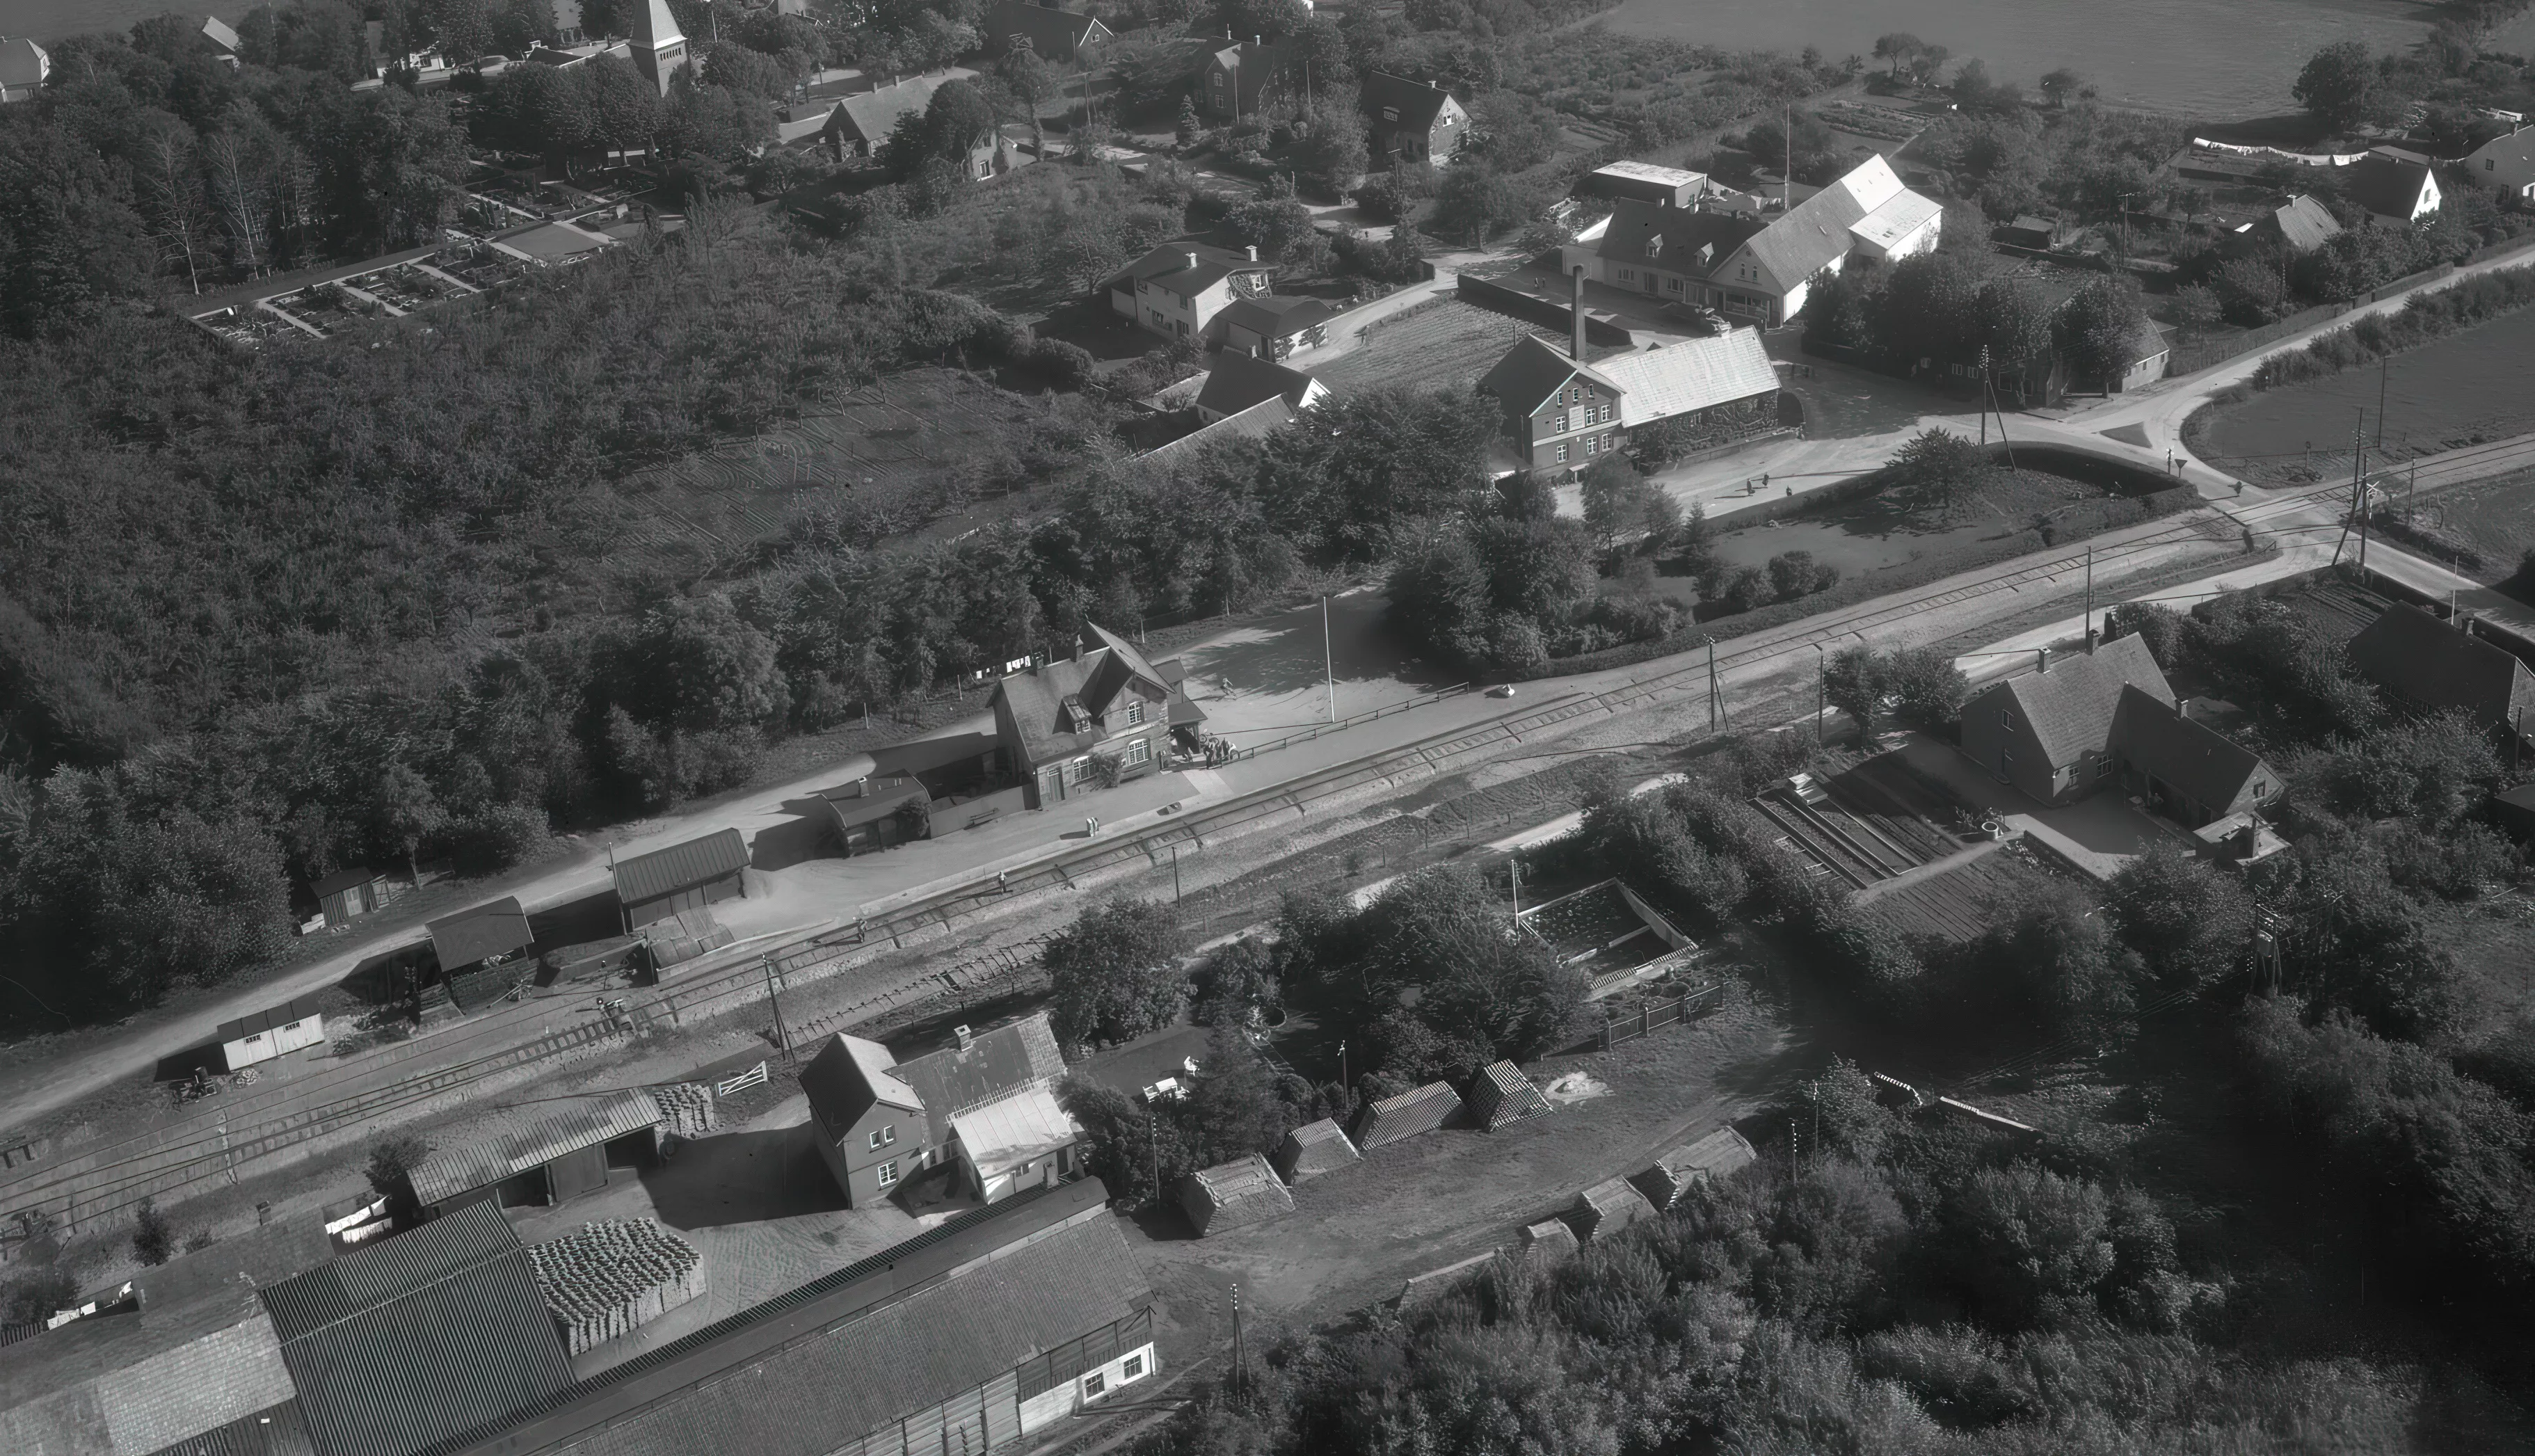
{"type": "Point", "coordinates": [683, 876]}
{"type": "Point", "coordinates": [1313, 1149]}
{"type": "Point", "coordinates": [1546, 1243]}
{"type": "Point", "coordinates": [349, 893]}
{"type": "Point", "coordinates": [1234, 1196]}
{"type": "Point", "coordinates": [1404, 1115]}
{"type": "Point", "coordinates": [1501, 1095]}
{"type": "Point", "coordinates": [1608, 1207]}
{"type": "Point", "coordinates": [560, 1155]}
{"type": "Point", "coordinates": [486, 934]}
{"type": "Point", "coordinates": [1705, 1160]}
{"type": "Point", "coordinates": [271, 1032]}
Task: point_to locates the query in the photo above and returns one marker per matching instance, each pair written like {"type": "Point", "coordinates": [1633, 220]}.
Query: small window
{"type": "Point", "coordinates": [1560, 427]}
{"type": "Point", "coordinates": [1588, 445]}
{"type": "Point", "coordinates": [1135, 711]}
{"type": "Point", "coordinates": [1132, 1369]}
{"type": "Point", "coordinates": [2006, 719]}
{"type": "Point", "coordinates": [2103, 768]}
{"type": "Point", "coordinates": [1562, 452]}
{"type": "Point", "coordinates": [1140, 751]}
{"type": "Point", "coordinates": [1092, 1385]}
{"type": "Point", "coordinates": [1628, 276]}
{"type": "Point", "coordinates": [2491, 164]}
{"type": "Point", "coordinates": [1672, 286]}
{"type": "Point", "coordinates": [1077, 771]}
{"type": "Point", "coordinates": [888, 1173]}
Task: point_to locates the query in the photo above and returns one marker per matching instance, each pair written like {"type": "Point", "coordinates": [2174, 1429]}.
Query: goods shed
{"type": "Point", "coordinates": [1404, 1115]}
{"type": "Point", "coordinates": [1608, 1207]}
{"type": "Point", "coordinates": [1501, 1095]}
{"type": "Point", "coordinates": [1234, 1196]}
{"type": "Point", "coordinates": [271, 1032]}
{"type": "Point", "coordinates": [484, 936]}
{"type": "Point", "coordinates": [560, 1156]}
{"type": "Point", "coordinates": [1709, 1158]}
{"type": "Point", "coordinates": [1313, 1149]}
{"type": "Point", "coordinates": [683, 876]}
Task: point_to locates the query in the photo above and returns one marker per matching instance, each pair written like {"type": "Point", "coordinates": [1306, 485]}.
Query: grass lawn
{"type": "Point", "coordinates": [1883, 531]}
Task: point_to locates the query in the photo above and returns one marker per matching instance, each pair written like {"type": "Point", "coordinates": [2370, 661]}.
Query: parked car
{"type": "Point", "coordinates": [1502, 690]}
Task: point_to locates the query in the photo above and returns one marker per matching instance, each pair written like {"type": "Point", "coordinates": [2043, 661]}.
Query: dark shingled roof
{"type": "Point", "coordinates": [993, 1065]}
{"type": "Point", "coordinates": [2303, 223]}
{"type": "Point", "coordinates": [2072, 707]}
{"type": "Point", "coordinates": [1169, 266]}
{"type": "Point", "coordinates": [344, 879]}
{"type": "Point", "coordinates": [1533, 367]}
{"type": "Point", "coordinates": [665, 872]}
{"type": "Point", "coordinates": [1036, 699]}
{"type": "Point", "coordinates": [869, 116]}
{"type": "Point", "coordinates": [2385, 184]}
{"type": "Point", "coordinates": [1236, 380]}
{"type": "Point", "coordinates": [1053, 33]}
{"type": "Point", "coordinates": [496, 927]}
{"type": "Point", "coordinates": [418, 1337]}
{"type": "Point", "coordinates": [2436, 665]}
{"type": "Point", "coordinates": [1691, 243]}
{"type": "Point", "coordinates": [1417, 103]}
{"type": "Point", "coordinates": [2198, 759]}
{"type": "Point", "coordinates": [821, 1367]}
{"type": "Point", "coordinates": [1274, 317]}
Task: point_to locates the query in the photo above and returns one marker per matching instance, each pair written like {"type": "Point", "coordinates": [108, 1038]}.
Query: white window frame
{"type": "Point", "coordinates": [1094, 1385]}
{"type": "Point", "coordinates": [1562, 452]}
{"type": "Point", "coordinates": [884, 1136]}
{"type": "Point", "coordinates": [1140, 751]}
{"type": "Point", "coordinates": [1079, 771]}
{"type": "Point", "coordinates": [886, 1173]}
{"type": "Point", "coordinates": [1135, 711]}
{"type": "Point", "coordinates": [1131, 1369]}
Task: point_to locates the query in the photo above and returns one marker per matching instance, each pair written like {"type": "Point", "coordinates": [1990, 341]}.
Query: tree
{"type": "Point", "coordinates": [1621, 503]}
{"type": "Point", "coordinates": [390, 1172]}
{"type": "Point", "coordinates": [1817, 154]}
{"type": "Point", "coordinates": [1853, 683]}
{"type": "Point", "coordinates": [1940, 468]}
{"type": "Point", "coordinates": [1116, 973]}
{"type": "Point", "coordinates": [1032, 82]}
{"type": "Point", "coordinates": [950, 123]}
{"type": "Point", "coordinates": [172, 183]}
{"type": "Point", "coordinates": [1331, 151]}
{"type": "Point", "coordinates": [1477, 201]}
{"type": "Point", "coordinates": [1895, 48]}
{"type": "Point", "coordinates": [695, 664]}
{"type": "Point", "coordinates": [2195, 309]}
{"type": "Point", "coordinates": [2191, 923]}
{"type": "Point", "coordinates": [1276, 221]}
{"type": "Point", "coordinates": [2061, 86]}
{"type": "Point", "coordinates": [154, 1238]}
{"type": "Point", "coordinates": [2100, 331]}
{"type": "Point", "coordinates": [2338, 84]}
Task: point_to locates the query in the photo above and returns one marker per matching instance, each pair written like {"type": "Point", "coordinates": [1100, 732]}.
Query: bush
{"type": "Point", "coordinates": [1795, 573]}
{"type": "Point", "coordinates": [1068, 366]}
{"type": "Point", "coordinates": [1116, 973]}
{"type": "Point", "coordinates": [498, 837]}
{"type": "Point", "coordinates": [154, 1238]}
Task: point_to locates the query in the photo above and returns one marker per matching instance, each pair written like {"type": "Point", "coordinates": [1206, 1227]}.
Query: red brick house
{"type": "Point", "coordinates": [1421, 122]}
{"type": "Point", "coordinates": [1107, 702]}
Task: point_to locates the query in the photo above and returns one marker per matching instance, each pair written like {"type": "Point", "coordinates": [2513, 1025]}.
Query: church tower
{"type": "Point", "coordinates": [658, 48]}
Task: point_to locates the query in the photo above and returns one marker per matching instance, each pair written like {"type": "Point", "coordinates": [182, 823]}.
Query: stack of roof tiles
{"type": "Point", "coordinates": [1234, 1196]}
{"type": "Point", "coordinates": [1313, 1149]}
{"type": "Point", "coordinates": [1713, 1157]}
{"type": "Point", "coordinates": [1547, 1242]}
{"type": "Point", "coordinates": [687, 1109]}
{"type": "Point", "coordinates": [610, 1278]}
{"type": "Point", "coordinates": [1608, 1207]}
{"type": "Point", "coordinates": [1501, 1095]}
{"type": "Point", "coordinates": [1404, 1115]}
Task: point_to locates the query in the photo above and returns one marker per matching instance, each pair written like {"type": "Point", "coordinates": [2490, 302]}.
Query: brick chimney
{"type": "Point", "coordinates": [1192, 260]}
{"type": "Point", "coordinates": [2043, 656]}
{"type": "Point", "coordinates": [1576, 306]}
{"type": "Point", "coordinates": [961, 1036]}
{"type": "Point", "coordinates": [1252, 251]}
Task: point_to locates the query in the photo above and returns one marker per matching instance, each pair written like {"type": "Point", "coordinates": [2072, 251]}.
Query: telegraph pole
{"type": "Point", "coordinates": [2090, 601]}
{"type": "Point", "coordinates": [1715, 692]}
{"type": "Point", "coordinates": [1821, 690]}
{"type": "Point", "coordinates": [1329, 658]}
{"type": "Point", "coordinates": [782, 1035]}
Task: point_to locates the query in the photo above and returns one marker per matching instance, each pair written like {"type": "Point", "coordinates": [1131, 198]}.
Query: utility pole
{"type": "Point", "coordinates": [2125, 221]}
{"type": "Point", "coordinates": [2384, 365]}
{"type": "Point", "coordinates": [1984, 413]}
{"type": "Point", "coordinates": [1343, 1080]}
{"type": "Point", "coordinates": [1175, 873]}
{"type": "Point", "coordinates": [1787, 178]}
{"type": "Point", "coordinates": [1329, 658]}
{"type": "Point", "coordinates": [1239, 1353]}
{"type": "Point", "coordinates": [1716, 692]}
{"type": "Point", "coordinates": [2359, 480]}
{"type": "Point", "coordinates": [1154, 1140]}
{"type": "Point", "coordinates": [1514, 866]}
{"type": "Point", "coordinates": [782, 1035]}
{"type": "Point", "coordinates": [2090, 601]}
{"type": "Point", "coordinates": [1821, 690]}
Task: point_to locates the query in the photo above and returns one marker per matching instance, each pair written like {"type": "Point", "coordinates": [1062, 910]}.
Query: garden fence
{"type": "Point", "coordinates": [1660, 1015]}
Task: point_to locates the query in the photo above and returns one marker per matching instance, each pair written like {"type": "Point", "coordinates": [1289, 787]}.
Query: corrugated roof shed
{"type": "Point", "coordinates": [822, 1374]}
{"type": "Point", "coordinates": [1692, 375]}
{"type": "Point", "coordinates": [1014, 1129]}
{"type": "Point", "coordinates": [422, 1336]}
{"type": "Point", "coordinates": [1547, 1242]}
{"type": "Point", "coordinates": [1501, 1095]}
{"type": "Point", "coordinates": [449, 1172]}
{"type": "Point", "coordinates": [1234, 1196]}
{"type": "Point", "coordinates": [1313, 1149]}
{"type": "Point", "coordinates": [344, 879]}
{"type": "Point", "coordinates": [131, 1384]}
{"type": "Point", "coordinates": [993, 1065]}
{"type": "Point", "coordinates": [495, 927]}
{"type": "Point", "coordinates": [2303, 223]}
{"type": "Point", "coordinates": [267, 1018]}
{"type": "Point", "coordinates": [1422, 1110]}
{"type": "Point", "coordinates": [665, 872]}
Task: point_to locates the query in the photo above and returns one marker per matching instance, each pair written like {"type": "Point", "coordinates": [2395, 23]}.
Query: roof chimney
{"type": "Point", "coordinates": [1434, 85]}
{"type": "Point", "coordinates": [1252, 251]}
{"type": "Point", "coordinates": [1256, 41]}
{"type": "Point", "coordinates": [1576, 306]}
{"type": "Point", "coordinates": [2183, 708]}
{"type": "Point", "coordinates": [959, 1035]}
{"type": "Point", "coordinates": [1190, 256]}
{"type": "Point", "coordinates": [2044, 656]}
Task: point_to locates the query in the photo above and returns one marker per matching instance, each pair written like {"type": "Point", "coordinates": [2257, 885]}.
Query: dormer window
{"type": "Point", "coordinates": [1390, 113]}
{"type": "Point", "coordinates": [1135, 711]}
{"type": "Point", "coordinates": [1654, 246]}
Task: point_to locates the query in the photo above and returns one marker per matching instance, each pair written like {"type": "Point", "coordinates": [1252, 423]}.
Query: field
{"type": "Point", "coordinates": [1448, 346]}
{"type": "Point", "coordinates": [1882, 531]}
{"type": "Point", "coordinates": [2462, 390]}
{"type": "Point", "coordinates": [2495, 517]}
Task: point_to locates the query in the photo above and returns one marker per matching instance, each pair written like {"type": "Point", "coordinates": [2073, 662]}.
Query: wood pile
{"type": "Point", "coordinates": [687, 1109]}
{"type": "Point", "coordinates": [610, 1278]}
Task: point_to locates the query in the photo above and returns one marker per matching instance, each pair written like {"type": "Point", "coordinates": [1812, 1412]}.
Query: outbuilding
{"type": "Point", "coordinates": [682, 876]}
{"type": "Point", "coordinates": [271, 1032]}
{"type": "Point", "coordinates": [1704, 1160]}
{"type": "Point", "coordinates": [1233, 1195]}
{"type": "Point", "coordinates": [1501, 1095]}
{"type": "Point", "coordinates": [558, 1157]}
{"type": "Point", "coordinates": [873, 814]}
{"type": "Point", "coordinates": [1422, 1110]}
{"type": "Point", "coordinates": [348, 893]}
{"type": "Point", "coordinates": [1313, 1149]}
{"type": "Point", "coordinates": [1608, 1207]}
{"type": "Point", "coordinates": [485, 936]}
{"type": "Point", "coordinates": [1644, 182]}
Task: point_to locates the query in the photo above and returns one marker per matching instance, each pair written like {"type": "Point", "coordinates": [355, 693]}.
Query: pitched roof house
{"type": "Point", "coordinates": [1560, 412]}
{"type": "Point", "coordinates": [1420, 122]}
{"type": "Point", "coordinates": [2301, 224]}
{"type": "Point", "coordinates": [1273, 328]}
{"type": "Point", "coordinates": [2437, 665]}
{"type": "Point", "coordinates": [2393, 185]}
{"type": "Point", "coordinates": [1109, 700]}
{"type": "Point", "coordinates": [23, 65]}
{"type": "Point", "coordinates": [1180, 290]}
{"type": "Point", "coordinates": [2108, 717]}
{"type": "Point", "coordinates": [1313, 1149]}
{"type": "Point", "coordinates": [683, 876]}
{"type": "Point", "coordinates": [1746, 266]}
{"type": "Point", "coordinates": [1054, 35]}
{"type": "Point", "coordinates": [1238, 80]}
{"type": "Point", "coordinates": [486, 932]}
{"type": "Point", "coordinates": [983, 1105]}
{"type": "Point", "coordinates": [860, 123]}
{"type": "Point", "coordinates": [1235, 382]}
{"type": "Point", "coordinates": [2505, 164]}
